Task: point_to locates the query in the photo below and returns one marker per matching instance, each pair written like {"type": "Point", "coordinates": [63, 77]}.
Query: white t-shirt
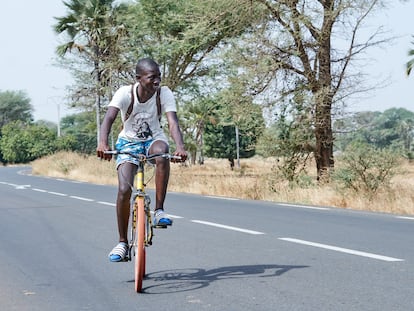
{"type": "Point", "coordinates": [143, 123]}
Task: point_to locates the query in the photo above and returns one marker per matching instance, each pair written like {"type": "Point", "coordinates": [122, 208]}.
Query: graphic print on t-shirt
{"type": "Point", "coordinates": [141, 126]}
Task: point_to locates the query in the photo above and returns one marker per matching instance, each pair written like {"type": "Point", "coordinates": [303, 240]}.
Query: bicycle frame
{"type": "Point", "coordinates": [138, 194]}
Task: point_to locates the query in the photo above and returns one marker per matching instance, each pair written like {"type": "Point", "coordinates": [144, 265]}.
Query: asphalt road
{"type": "Point", "coordinates": [220, 254]}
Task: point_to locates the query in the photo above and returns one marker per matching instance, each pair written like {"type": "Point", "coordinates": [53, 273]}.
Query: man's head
{"type": "Point", "coordinates": [145, 64]}
{"type": "Point", "coordinates": [148, 74]}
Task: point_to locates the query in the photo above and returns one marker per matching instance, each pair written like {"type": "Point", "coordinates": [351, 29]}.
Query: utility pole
{"type": "Point", "coordinates": [56, 100]}
{"type": "Point", "coordinates": [237, 147]}
{"type": "Point", "coordinates": [58, 122]}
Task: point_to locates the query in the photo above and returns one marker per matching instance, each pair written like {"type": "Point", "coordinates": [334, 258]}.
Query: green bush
{"type": "Point", "coordinates": [22, 143]}
{"type": "Point", "coordinates": [366, 169]}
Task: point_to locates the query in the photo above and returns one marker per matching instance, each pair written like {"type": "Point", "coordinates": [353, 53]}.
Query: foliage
{"type": "Point", "coordinates": [392, 128]}
{"type": "Point", "coordinates": [293, 51]}
{"type": "Point", "coordinates": [366, 169]}
{"type": "Point", "coordinates": [79, 128]}
{"type": "Point", "coordinates": [289, 139]}
{"type": "Point", "coordinates": [94, 35]}
{"type": "Point", "coordinates": [21, 143]}
{"type": "Point", "coordinates": [14, 105]}
{"type": "Point", "coordinates": [181, 34]}
{"type": "Point", "coordinates": [194, 117]}
{"type": "Point", "coordinates": [220, 131]}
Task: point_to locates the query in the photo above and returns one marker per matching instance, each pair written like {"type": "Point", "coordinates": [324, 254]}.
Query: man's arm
{"type": "Point", "coordinates": [106, 126]}
{"type": "Point", "coordinates": [176, 134]}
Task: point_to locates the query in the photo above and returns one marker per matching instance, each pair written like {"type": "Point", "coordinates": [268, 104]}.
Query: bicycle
{"type": "Point", "coordinates": [141, 227]}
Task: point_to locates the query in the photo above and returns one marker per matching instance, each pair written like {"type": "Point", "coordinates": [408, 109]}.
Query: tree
{"type": "Point", "coordinates": [93, 31]}
{"type": "Point", "coordinates": [195, 116]}
{"type": "Point", "coordinates": [21, 142]}
{"type": "Point", "coordinates": [220, 138]}
{"type": "Point", "coordinates": [294, 51]}
{"type": "Point", "coordinates": [80, 127]}
{"type": "Point", "coordinates": [290, 139]}
{"type": "Point", "coordinates": [15, 105]}
{"type": "Point", "coordinates": [182, 34]}
{"type": "Point", "coordinates": [392, 128]}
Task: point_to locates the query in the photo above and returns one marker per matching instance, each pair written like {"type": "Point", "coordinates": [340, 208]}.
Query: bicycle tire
{"type": "Point", "coordinates": [140, 245]}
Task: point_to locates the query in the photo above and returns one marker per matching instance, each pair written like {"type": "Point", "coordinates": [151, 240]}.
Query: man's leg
{"type": "Point", "coordinates": [162, 173]}
{"type": "Point", "coordinates": [126, 174]}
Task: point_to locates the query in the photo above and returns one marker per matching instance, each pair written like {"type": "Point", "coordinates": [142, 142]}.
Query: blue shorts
{"type": "Point", "coordinates": [140, 147]}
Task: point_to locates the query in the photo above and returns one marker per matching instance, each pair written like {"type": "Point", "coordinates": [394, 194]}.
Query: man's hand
{"type": "Point", "coordinates": [100, 152]}
{"type": "Point", "coordinates": [181, 153]}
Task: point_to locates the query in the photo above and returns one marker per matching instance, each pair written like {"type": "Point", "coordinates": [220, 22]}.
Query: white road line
{"type": "Point", "coordinates": [39, 190]}
{"type": "Point", "coordinates": [58, 193]}
{"type": "Point", "coordinates": [221, 198]}
{"type": "Point", "coordinates": [226, 227]}
{"type": "Point", "coordinates": [305, 206]}
{"type": "Point", "coordinates": [405, 217]}
{"type": "Point", "coordinates": [22, 187]}
{"type": "Point", "coordinates": [342, 250]}
{"type": "Point", "coordinates": [8, 184]}
{"type": "Point", "coordinates": [80, 198]}
{"type": "Point", "coordinates": [174, 216]}
{"type": "Point", "coordinates": [106, 203]}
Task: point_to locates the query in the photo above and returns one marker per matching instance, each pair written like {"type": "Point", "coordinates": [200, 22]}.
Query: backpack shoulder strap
{"type": "Point", "coordinates": [131, 105]}
{"type": "Point", "coordinates": [158, 99]}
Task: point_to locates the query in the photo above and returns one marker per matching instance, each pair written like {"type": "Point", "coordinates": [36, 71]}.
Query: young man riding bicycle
{"type": "Point", "coordinates": [142, 133]}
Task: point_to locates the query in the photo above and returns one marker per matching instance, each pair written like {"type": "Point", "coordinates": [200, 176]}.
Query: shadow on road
{"type": "Point", "coordinates": [182, 280]}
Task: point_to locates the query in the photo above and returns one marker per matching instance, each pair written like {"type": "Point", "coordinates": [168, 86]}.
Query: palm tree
{"type": "Point", "coordinates": [410, 63]}
{"type": "Point", "coordinates": [92, 31]}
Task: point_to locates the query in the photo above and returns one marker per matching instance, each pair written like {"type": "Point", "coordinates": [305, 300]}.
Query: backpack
{"type": "Point", "coordinates": [131, 105]}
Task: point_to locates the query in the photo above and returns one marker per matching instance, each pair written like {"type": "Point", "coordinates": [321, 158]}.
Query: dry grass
{"type": "Point", "coordinates": [254, 180]}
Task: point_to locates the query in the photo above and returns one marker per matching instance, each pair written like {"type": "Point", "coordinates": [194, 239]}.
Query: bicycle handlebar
{"type": "Point", "coordinates": [143, 157]}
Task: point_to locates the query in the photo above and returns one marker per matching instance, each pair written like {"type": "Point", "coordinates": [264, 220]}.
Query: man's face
{"type": "Point", "coordinates": [150, 79]}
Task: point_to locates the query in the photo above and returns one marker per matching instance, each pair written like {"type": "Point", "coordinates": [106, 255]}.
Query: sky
{"type": "Point", "coordinates": [28, 44]}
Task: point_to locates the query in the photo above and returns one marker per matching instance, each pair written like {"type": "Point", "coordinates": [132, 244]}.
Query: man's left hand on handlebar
{"type": "Point", "coordinates": [181, 153]}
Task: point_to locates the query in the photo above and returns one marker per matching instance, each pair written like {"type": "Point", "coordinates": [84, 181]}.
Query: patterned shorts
{"type": "Point", "coordinates": [136, 148]}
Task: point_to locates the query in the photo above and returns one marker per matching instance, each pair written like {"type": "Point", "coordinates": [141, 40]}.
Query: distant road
{"type": "Point", "coordinates": [220, 254]}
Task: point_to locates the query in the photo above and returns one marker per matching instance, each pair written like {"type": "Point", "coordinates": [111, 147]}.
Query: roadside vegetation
{"type": "Point", "coordinates": [255, 180]}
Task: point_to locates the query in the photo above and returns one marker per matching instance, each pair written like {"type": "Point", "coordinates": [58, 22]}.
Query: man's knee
{"type": "Point", "coordinates": [124, 189]}
{"type": "Point", "coordinates": [159, 146]}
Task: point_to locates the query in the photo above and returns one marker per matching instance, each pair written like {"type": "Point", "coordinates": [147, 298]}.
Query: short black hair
{"type": "Point", "coordinates": [145, 64]}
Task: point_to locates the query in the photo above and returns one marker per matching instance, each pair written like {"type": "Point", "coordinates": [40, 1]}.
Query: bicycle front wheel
{"type": "Point", "coordinates": [140, 244]}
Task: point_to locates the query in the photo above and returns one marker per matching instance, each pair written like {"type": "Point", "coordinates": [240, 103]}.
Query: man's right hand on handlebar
{"type": "Point", "coordinates": [100, 152]}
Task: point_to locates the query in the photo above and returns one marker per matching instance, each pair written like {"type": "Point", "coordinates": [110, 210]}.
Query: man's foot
{"type": "Point", "coordinates": [119, 252]}
{"type": "Point", "coordinates": [161, 219]}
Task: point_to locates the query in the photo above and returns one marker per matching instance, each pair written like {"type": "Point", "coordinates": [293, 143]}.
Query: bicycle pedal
{"type": "Point", "coordinates": [160, 226]}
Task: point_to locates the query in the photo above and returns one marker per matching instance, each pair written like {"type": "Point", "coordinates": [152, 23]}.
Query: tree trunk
{"type": "Point", "coordinates": [98, 118]}
{"type": "Point", "coordinates": [98, 100]}
{"type": "Point", "coordinates": [323, 96]}
{"type": "Point", "coordinates": [324, 140]}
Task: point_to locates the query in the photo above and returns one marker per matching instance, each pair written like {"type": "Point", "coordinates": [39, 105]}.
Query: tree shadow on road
{"type": "Point", "coordinates": [181, 280]}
